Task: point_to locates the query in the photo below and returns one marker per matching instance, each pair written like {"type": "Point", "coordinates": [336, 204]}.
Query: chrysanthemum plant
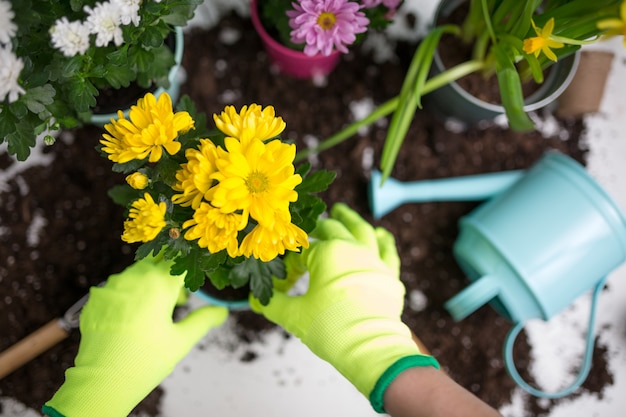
{"type": "Point", "coordinates": [514, 40]}
{"type": "Point", "coordinates": [323, 26]}
{"type": "Point", "coordinates": [225, 204]}
{"type": "Point", "coordinates": [56, 57]}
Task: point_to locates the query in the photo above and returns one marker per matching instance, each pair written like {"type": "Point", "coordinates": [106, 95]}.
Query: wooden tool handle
{"type": "Point", "coordinates": [31, 346]}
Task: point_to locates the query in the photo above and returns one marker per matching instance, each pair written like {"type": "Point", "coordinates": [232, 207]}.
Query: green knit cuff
{"type": "Point", "coordinates": [50, 412]}
{"type": "Point", "coordinates": [377, 394]}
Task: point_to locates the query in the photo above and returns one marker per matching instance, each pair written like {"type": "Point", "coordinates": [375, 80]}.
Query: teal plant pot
{"type": "Point", "coordinates": [234, 305]}
{"type": "Point", "coordinates": [100, 119]}
{"type": "Point", "coordinates": [453, 102]}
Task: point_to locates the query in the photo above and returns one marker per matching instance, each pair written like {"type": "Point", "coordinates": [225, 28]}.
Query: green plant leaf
{"type": "Point", "coordinates": [128, 167]}
{"type": "Point", "coordinates": [219, 277]}
{"type": "Point", "coordinates": [21, 140]}
{"type": "Point", "coordinates": [140, 58]}
{"type": "Point", "coordinates": [195, 276]}
{"type": "Point", "coordinates": [177, 247]}
{"type": "Point", "coordinates": [37, 98]}
{"type": "Point", "coordinates": [276, 22]}
{"type": "Point", "coordinates": [152, 37]}
{"type": "Point", "coordinates": [534, 68]}
{"type": "Point", "coordinates": [306, 211]}
{"type": "Point", "coordinates": [197, 264]}
{"type": "Point", "coordinates": [124, 194]}
{"type": "Point", "coordinates": [76, 4]}
{"type": "Point", "coordinates": [511, 91]}
{"type": "Point", "coordinates": [154, 247]}
{"type": "Point", "coordinates": [82, 94]}
{"type": "Point", "coordinates": [119, 76]}
{"type": "Point", "coordinates": [181, 12]}
{"type": "Point", "coordinates": [316, 182]}
{"type": "Point", "coordinates": [8, 123]}
{"type": "Point", "coordinates": [119, 56]}
{"type": "Point", "coordinates": [410, 96]}
{"type": "Point", "coordinates": [167, 168]}
{"type": "Point", "coordinates": [19, 109]}
{"type": "Point", "coordinates": [259, 274]}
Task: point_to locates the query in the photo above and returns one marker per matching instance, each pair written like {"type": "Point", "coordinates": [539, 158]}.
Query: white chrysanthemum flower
{"type": "Point", "coordinates": [7, 27]}
{"type": "Point", "coordinates": [71, 38]}
{"type": "Point", "coordinates": [104, 21]}
{"type": "Point", "coordinates": [10, 68]}
{"type": "Point", "coordinates": [129, 11]}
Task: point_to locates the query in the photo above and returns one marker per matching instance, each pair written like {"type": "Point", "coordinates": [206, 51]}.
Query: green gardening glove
{"type": "Point", "coordinates": [129, 342]}
{"type": "Point", "coordinates": [350, 314]}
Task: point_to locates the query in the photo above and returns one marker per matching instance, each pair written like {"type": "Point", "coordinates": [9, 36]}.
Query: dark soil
{"type": "Point", "coordinates": [79, 243]}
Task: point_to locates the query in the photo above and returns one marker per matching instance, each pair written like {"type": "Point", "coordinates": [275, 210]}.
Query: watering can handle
{"type": "Point", "coordinates": [584, 369]}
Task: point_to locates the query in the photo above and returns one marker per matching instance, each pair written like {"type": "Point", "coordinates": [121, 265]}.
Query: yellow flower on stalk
{"type": "Point", "coordinates": [193, 179]}
{"type": "Point", "coordinates": [152, 126]}
{"type": "Point", "coordinates": [258, 178]}
{"type": "Point", "coordinates": [252, 122]}
{"type": "Point", "coordinates": [615, 26]}
{"type": "Point", "coordinates": [215, 230]}
{"type": "Point", "coordinates": [137, 180]}
{"type": "Point", "coordinates": [543, 42]}
{"type": "Point", "coordinates": [266, 243]}
{"type": "Point", "coordinates": [146, 220]}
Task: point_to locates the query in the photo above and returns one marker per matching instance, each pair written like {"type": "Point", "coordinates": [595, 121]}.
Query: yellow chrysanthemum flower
{"type": "Point", "coordinates": [114, 143]}
{"type": "Point", "coordinates": [542, 42]}
{"type": "Point", "coordinates": [137, 180]}
{"type": "Point", "coordinates": [267, 243]}
{"type": "Point", "coordinates": [152, 126]}
{"type": "Point", "coordinates": [146, 220]}
{"type": "Point", "coordinates": [258, 178]}
{"type": "Point", "coordinates": [252, 122]}
{"type": "Point", "coordinates": [194, 178]}
{"type": "Point", "coordinates": [615, 26]}
{"type": "Point", "coordinates": [215, 230]}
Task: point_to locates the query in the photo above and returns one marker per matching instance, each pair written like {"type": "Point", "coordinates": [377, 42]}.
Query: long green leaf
{"type": "Point", "coordinates": [410, 97]}
{"type": "Point", "coordinates": [511, 91]}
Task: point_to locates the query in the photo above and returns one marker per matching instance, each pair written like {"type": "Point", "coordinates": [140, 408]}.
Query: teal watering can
{"type": "Point", "coordinates": [544, 237]}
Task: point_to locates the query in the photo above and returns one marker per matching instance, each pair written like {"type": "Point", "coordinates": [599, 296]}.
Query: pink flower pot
{"type": "Point", "coordinates": [293, 63]}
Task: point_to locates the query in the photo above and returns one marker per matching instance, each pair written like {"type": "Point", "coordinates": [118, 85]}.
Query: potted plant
{"type": "Point", "coordinates": [305, 38]}
{"type": "Point", "coordinates": [60, 59]}
{"type": "Point", "coordinates": [511, 42]}
{"type": "Point", "coordinates": [225, 204]}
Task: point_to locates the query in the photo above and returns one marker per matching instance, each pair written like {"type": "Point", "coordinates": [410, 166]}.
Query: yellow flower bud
{"type": "Point", "coordinates": [137, 180]}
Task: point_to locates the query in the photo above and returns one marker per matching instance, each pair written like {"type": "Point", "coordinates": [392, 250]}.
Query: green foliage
{"type": "Point", "coordinates": [124, 195]}
{"type": "Point", "coordinates": [409, 101]}
{"type": "Point", "coordinates": [61, 91]}
{"type": "Point", "coordinates": [260, 276]}
{"type": "Point", "coordinates": [197, 264]}
{"type": "Point", "coordinates": [306, 210]}
{"type": "Point", "coordinates": [497, 30]}
{"type": "Point", "coordinates": [276, 22]}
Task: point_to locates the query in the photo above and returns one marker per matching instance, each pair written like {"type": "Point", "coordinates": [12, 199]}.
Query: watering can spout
{"type": "Point", "coordinates": [392, 193]}
{"type": "Point", "coordinates": [473, 297]}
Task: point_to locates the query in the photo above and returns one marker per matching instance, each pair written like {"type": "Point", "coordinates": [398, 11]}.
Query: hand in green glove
{"type": "Point", "coordinates": [350, 314]}
{"type": "Point", "coordinates": [129, 342]}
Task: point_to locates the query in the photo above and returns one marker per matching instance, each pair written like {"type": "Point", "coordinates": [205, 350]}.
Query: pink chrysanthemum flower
{"type": "Point", "coordinates": [325, 25]}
